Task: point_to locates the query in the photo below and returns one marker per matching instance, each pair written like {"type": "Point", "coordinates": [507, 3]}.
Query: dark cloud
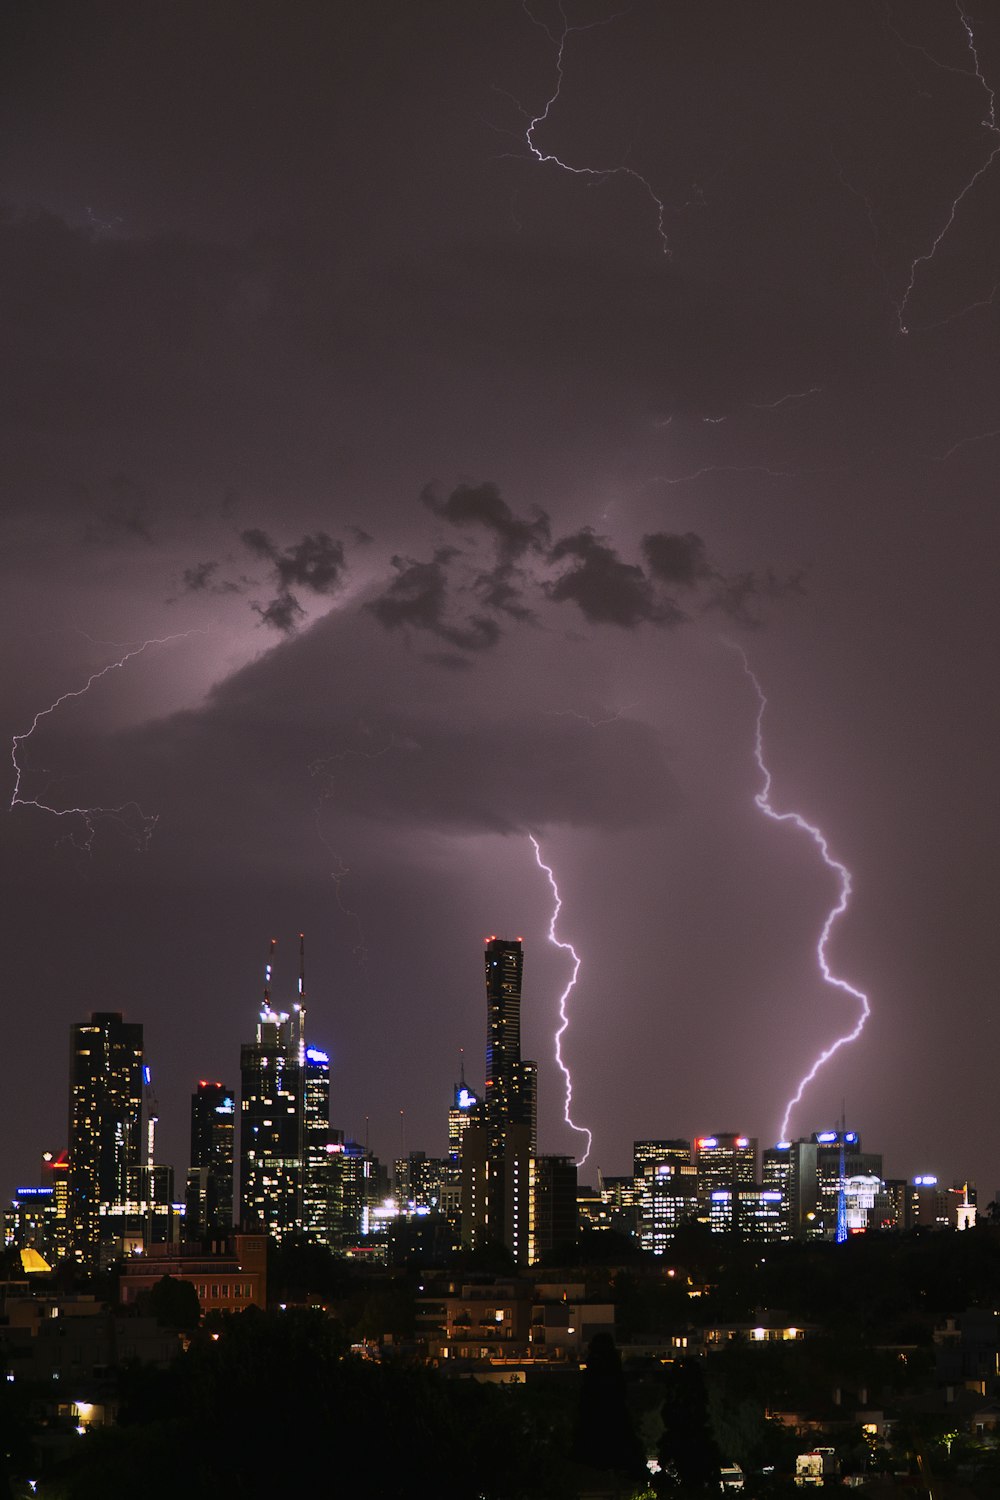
{"type": "Point", "coordinates": [501, 587]}
{"type": "Point", "coordinates": [316, 563]}
{"type": "Point", "coordinates": [743, 596]}
{"type": "Point", "coordinates": [419, 597]}
{"type": "Point", "coordinates": [284, 612]}
{"type": "Point", "coordinates": [199, 576]}
{"type": "Point", "coordinates": [483, 505]}
{"type": "Point", "coordinates": [677, 559]}
{"type": "Point", "coordinates": [606, 590]}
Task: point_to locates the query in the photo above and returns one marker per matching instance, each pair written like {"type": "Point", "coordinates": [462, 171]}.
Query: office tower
{"type": "Point", "coordinates": [499, 1143]}
{"type": "Point", "coordinates": [55, 1174]}
{"type": "Point", "coordinates": [723, 1161]}
{"type": "Point", "coordinates": [209, 1205]}
{"type": "Point", "coordinates": [459, 1115]}
{"type": "Point", "coordinates": [317, 1182]}
{"type": "Point", "coordinates": [361, 1183]}
{"type": "Point", "coordinates": [667, 1194]}
{"type": "Point", "coordinates": [752, 1212]}
{"type": "Point", "coordinates": [838, 1157]}
{"type": "Point", "coordinates": [105, 1118]}
{"type": "Point", "coordinates": [419, 1181]}
{"type": "Point", "coordinates": [657, 1153]}
{"type": "Point", "coordinates": [272, 1119]}
{"type": "Point", "coordinates": [790, 1168]}
{"type": "Point", "coordinates": [553, 1222]}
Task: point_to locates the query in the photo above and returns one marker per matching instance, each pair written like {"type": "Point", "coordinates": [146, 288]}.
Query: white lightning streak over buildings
{"type": "Point", "coordinates": [564, 997]}
{"type": "Point", "coordinates": [763, 801]}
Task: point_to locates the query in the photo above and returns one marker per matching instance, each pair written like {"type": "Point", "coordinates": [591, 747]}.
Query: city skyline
{"type": "Point", "coordinates": [239, 1171]}
{"type": "Point", "coordinates": [405, 420]}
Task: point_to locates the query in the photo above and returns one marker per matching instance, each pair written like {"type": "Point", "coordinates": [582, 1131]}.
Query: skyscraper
{"type": "Point", "coordinates": [209, 1207]}
{"type": "Point", "coordinates": [272, 1119]}
{"type": "Point", "coordinates": [499, 1142]}
{"type": "Point", "coordinates": [317, 1180]}
{"type": "Point", "coordinates": [288, 1178]}
{"type": "Point", "coordinates": [105, 1122]}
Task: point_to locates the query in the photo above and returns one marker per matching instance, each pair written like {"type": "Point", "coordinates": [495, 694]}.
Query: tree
{"type": "Point", "coordinates": [174, 1304]}
{"type": "Point", "coordinates": [688, 1454]}
{"type": "Point", "coordinates": [605, 1436]}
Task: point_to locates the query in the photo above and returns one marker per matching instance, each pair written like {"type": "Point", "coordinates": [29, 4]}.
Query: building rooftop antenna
{"type": "Point", "coordinates": [267, 974]}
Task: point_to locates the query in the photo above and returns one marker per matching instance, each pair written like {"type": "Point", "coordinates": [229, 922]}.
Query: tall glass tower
{"type": "Point", "coordinates": [105, 1122]}
{"type": "Point", "coordinates": [500, 1140]}
{"type": "Point", "coordinates": [209, 1208]}
{"type": "Point", "coordinates": [271, 1119]}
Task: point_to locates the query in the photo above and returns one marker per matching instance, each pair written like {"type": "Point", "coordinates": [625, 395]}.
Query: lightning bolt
{"type": "Point", "coordinates": [763, 801]}
{"type": "Point", "coordinates": [728, 469]}
{"type": "Point", "coordinates": [814, 390]}
{"type": "Point", "coordinates": [547, 158]}
{"type": "Point", "coordinates": [976, 437]}
{"type": "Point", "coordinates": [989, 124]}
{"type": "Point", "coordinates": [563, 998]}
{"type": "Point", "coordinates": [611, 718]}
{"type": "Point", "coordinates": [140, 825]}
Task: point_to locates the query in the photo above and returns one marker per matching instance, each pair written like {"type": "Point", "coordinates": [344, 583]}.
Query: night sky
{"type": "Point", "coordinates": [449, 479]}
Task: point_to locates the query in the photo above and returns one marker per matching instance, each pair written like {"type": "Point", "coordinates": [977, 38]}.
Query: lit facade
{"type": "Point", "coordinates": [209, 1203]}
{"type": "Point", "coordinates": [790, 1168]}
{"type": "Point", "coordinates": [553, 1221]}
{"type": "Point", "coordinates": [105, 1123]}
{"type": "Point", "coordinates": [667, 1198]}
{"type": "Point", "coordinates": [499, 1143]}
{"type": "Point", "coordinates": [318, 1195]}
{"type": "Point", "coordinates": [271, 1124]}
{"type": "Point", "coordinates": [724, 1161]}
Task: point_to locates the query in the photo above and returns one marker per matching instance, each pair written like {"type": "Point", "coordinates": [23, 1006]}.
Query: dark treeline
{"type": "Point", "coordinates": [290, 1400]}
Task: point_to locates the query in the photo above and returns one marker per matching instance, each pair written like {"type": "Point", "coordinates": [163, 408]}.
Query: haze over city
{"type": "Point", "coordinates": [443, 392]}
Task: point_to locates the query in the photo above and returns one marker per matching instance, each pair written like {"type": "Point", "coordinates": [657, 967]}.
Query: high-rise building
{"type": "Point", "coordinates": [105, 1123]}
{"type": "Point", "coordinates": [318, 1177]}
{"type": "Point", "coordinates": [790, 1169]}
{"type": "Point", "coordinates": [667, 1195]}
{"type": "Point", "coordinates": [724, 1161]}
{"type": "Point", "coordinates": [657, 1154]}
{"type": "Point", "coordinates": [459, 1115]}
{"type": "Point", "coordinates": [839, 1156]}
{"type": "Point", "coordinates": [499, 1143]}
{"type": "Point", "coordinates": [289, 1183]}
{"type": "Point", "coordinates": [271, 1119]}
{"type": "Point", "coordinates": [554, 1222]}
{"type": "Point", "coordinates": [209, 1205]}
{"type": "Point", "coordinates": [749, 1211]}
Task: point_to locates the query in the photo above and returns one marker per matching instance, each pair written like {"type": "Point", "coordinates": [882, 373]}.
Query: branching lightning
{"type": "Point", "coordinates": [724, 469]}
{"type": "Point", "coordinates": [989, 123]}
{"type": "Point", "coordinates": [563, 999]}
{"type": "Point", "coordinates": [614, 717]}
{"type": "Point", "coordinates": [763, 801]}
{"type": "Point", "coordinates": [595, 174]}
{"type": "Point", "coordinates": [129, 815]}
